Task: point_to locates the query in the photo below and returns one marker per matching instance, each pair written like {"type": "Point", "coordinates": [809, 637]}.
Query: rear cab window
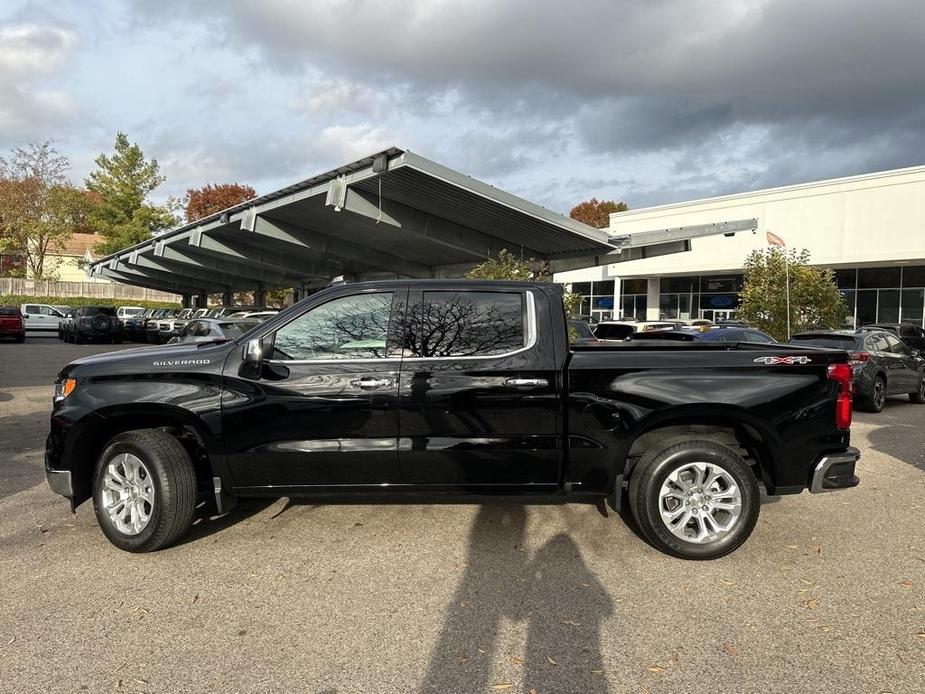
{"type": "Point", "coordinates": [457, 324]}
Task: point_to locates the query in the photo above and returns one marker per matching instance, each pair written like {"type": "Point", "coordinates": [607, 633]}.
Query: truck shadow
{"type": "Point", "coordinates": [553, 592]}
{"type": "Point", "coordinates": [900, 441]}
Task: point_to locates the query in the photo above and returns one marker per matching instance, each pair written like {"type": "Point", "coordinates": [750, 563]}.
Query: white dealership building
{"type": "Point", "coordinates": [870, 229]}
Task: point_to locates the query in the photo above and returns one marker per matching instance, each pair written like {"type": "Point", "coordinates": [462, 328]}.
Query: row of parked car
{"type": "Point", "coordinates": [106, 324]}
{"type": "Point", "coordinates": [886, 358]}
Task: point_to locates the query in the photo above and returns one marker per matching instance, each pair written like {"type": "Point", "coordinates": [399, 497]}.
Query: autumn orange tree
{"type": "Point", "coordinates": [596, 213]}
{"type": "Point", "coordinates": [215, 197]}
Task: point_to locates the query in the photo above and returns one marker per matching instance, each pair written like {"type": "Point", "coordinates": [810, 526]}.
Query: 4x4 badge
{"type": "Point", "coordinates": [773, 361]}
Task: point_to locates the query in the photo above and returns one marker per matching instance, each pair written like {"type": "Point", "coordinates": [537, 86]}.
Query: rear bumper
{"type": "Point", "coordinates": [835, 471]}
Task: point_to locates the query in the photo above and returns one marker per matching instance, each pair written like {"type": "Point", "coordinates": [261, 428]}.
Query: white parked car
{"type": "Point", "coordinates": [124, 312]}
{"type": "Point", "coordinates": [41, 317]}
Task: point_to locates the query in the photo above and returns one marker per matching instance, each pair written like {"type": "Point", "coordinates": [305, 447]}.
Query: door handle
{"type": "Point", "coordinates": [526, 382]}
{"type": "Point", "coordinates": [368, 383]}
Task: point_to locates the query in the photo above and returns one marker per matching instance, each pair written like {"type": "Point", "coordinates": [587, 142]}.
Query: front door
{"type": "Point", "coordinates": [479, 391]}
{"type": "Point", "coordinates": [324, 410]}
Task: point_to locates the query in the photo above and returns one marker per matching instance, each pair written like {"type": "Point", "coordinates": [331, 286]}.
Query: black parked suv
{"type": "Point", "coordinates": [94, 324]}
{"type": "Point", "coordinates": [881, 364]}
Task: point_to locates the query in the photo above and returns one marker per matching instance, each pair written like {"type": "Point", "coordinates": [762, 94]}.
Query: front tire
{"type": "Point", "coordinates": [694, 498]}
{"type": "Point", "coordinates": [144, 490]}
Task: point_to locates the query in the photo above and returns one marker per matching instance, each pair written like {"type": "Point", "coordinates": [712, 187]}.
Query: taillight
{"type": "Point", "coordinates": [859, 357]}
{"type": "Point", "coordinates": [841, 374]}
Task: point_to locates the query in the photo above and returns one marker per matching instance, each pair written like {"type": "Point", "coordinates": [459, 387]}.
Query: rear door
{"type": "Point", "coordinates": [906, 368]}
{"type": "Point", "coordinates": [478, 397]}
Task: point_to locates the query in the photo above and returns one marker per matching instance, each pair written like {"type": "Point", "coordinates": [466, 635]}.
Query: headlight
{"type": "Point", "coordinates": [64, 388]}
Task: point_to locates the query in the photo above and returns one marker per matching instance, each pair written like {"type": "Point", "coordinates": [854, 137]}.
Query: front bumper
{"type": "Point", "coordinates": [835, 471]}
{"type": "Point", "coordinates": [60, 482]}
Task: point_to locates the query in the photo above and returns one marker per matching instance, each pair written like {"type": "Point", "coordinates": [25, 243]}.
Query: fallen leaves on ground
{"type": "Point", "coordinates": [729, 648]}
{"type": "Point", "coordinates": [193, 600]}
{"type": "Point", "coordinates": [551, 661]}
{"type": "Point", "coordinates": [516, 661]}
{"type": "Point", "coordinates": [570, 623]}
{"type": "Point", "coordinates": [502, 685]}
{"type": "Point", "coordinates": [906, 584]}
{"type": "Point", "coordinates": [811, 603]}
{"type": "Point", "coordinates": [655, 668]}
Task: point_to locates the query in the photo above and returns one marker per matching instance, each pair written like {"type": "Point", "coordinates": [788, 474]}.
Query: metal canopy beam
{"type": "Point", "coordinates": [164, 275]}
{"type": "Point", "coordinates": [235, 271]}
{"type": "Point", "coordinates": [261, 257]}
{"type": "Point", "coordinates": [695, 231]}
{"type": "Point", "coordinates": [169, 264]}
{"type": "Point", "coordinates": [440, 231]}
{"type": "Point", "coordinates": [138, 281]}
{"type": "Point", "coordinates": [331, 246]}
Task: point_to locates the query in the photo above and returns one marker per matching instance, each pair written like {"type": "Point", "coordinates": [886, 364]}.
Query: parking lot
{"type": "Point", "coordinates": [828, 595]}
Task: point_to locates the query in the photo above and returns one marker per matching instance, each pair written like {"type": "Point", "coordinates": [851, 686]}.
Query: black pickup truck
{"type": "Point", "coordinates": [450, 388]}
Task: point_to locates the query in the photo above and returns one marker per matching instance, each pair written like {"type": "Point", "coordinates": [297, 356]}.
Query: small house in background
{"type": "Point", "coordinates": [67, 260]}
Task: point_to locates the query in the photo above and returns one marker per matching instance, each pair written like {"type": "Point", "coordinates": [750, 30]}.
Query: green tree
{"type": "Point", "coordinates": [596, 213]}
{"type": "Point", "coordinates": [39, 209]}
{"type": "Point", "coordinates": [123, 181]}
{"type": "Point", "coordinates": [507, 266]}
{"type": "Point", "coordinates": [814, 296]}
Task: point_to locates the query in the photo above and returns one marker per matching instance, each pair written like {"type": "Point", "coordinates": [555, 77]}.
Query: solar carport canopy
{"type": "Point", "coordinates": [393, 214]}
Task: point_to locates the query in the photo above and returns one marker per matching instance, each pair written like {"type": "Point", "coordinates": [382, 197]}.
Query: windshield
{"type": "Point", "coordinates": [132, 311]}
{"type": "Point", "coordinates": [233, 330]}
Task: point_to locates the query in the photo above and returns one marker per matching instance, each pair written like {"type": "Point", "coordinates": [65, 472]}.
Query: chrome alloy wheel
{"type": "Point", "coordinates": [128, 494]}
{"type": "Point", "coordinates": [879, 393]}
{"type": "Point", "coordinates": [700, 502]}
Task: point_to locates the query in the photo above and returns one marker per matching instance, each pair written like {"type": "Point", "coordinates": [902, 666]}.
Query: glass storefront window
{"type": "Point", "coordinates": [635, 286]}
{"type": "Point", "coordinates": [583, 288]}
{"type": "Point", "coordinates": [888, 306]}
{"type": "Point", "coordinates": [668, 306]}
{"type": "Point", "coordinates": [849, 312]}
{"type": "Point", "coordinates": [602, 303]}
{"type": "Point", "coordinates": [680, 285]}
{"type": "Point", "coordinates": [878, 277]}
{"type": "Point", "coordinates": [866, 307]}
{"type": "Point", "coordinates": [912, 303]}
{"type": "Point", "coordinates": [914, 276]}
{"type": "Point", "coordinates": [605, 287]}
{"type": "Point", "coordinates": [846, 279]}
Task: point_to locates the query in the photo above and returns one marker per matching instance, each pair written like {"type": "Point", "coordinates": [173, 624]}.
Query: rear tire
{"type": "Point", "coordinates": [876, 398]}
{"type": "Point", "coordinates": [694, 498]}
{"type": "Point", "coordinates": [157, 501]}
{"type": "Point", "coordinates": [919, 395]}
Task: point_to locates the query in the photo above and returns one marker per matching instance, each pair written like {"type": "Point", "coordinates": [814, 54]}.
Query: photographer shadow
{"type": "Point", "coordinates": [553, 592]}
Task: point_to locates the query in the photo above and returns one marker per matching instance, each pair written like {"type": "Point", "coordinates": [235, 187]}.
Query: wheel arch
{"type": "Point", "coordinates": [734, 427]}
{"type": "Point", "coordinates": [100, 428]}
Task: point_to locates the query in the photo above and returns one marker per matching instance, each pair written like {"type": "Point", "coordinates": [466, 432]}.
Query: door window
{"type": "Point", "coordinates": [876, 343]}
{"type": "Point", "coordinates": [32, 309]}
{"type": "Point", "coordinates": [466, 324]}
{"type": "Point", "coordinates": [351, 327]}
{"type": "Point", "coordinates": [895, 346]}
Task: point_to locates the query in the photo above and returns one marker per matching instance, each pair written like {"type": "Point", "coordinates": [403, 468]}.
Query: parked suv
{"type": "Point", "coordinates": [94, 324]}
{"type": "Point", "coordinates": [11, 324]}
{"type": "Point", "coordinates": [881, 364]}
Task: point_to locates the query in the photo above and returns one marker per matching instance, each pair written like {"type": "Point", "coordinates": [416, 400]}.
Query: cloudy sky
{"type": "Point", "coordinates": [647, 101]}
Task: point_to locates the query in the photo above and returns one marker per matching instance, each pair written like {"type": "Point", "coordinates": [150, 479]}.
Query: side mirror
{"type": "Point", "coordinates": [914, 352]}
{"type": "Point", "coordinates": [253, 353]}
{"type": "Point", "coordinates": [173, 340]}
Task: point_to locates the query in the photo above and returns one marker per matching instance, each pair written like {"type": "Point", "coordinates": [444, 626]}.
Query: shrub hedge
{"type": "Point", "coordinates": [77, 301]}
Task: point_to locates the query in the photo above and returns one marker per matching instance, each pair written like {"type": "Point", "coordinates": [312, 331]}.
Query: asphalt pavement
{"type": "Point", "coordinates": [828, 595]}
